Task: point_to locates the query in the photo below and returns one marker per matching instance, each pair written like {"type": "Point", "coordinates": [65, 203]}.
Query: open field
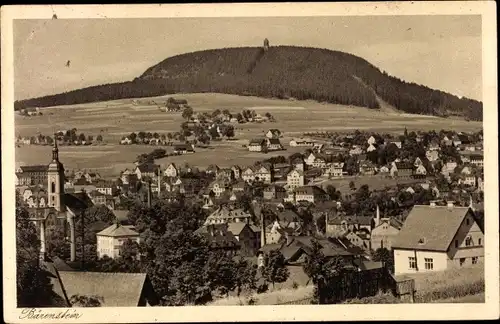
{"type": "Point", "coordinates": [114, 119]}
{"type": "Point", "coordinates": [375, 182]}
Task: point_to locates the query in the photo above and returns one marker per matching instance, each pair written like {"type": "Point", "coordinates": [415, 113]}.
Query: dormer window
{"type": "Point", "coordinates": [421, 241]}
{"type": "Point", "coordinates": [468, 241]}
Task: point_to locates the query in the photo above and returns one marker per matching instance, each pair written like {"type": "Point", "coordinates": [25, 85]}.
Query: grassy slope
{"type": "Point", "coordinates": [120, 117]}
{"type": "Point", "coordinates": [465, 285]}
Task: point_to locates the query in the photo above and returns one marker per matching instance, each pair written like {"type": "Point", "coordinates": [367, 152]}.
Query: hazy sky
{"type": "Point", "coordinates": [442, 52]}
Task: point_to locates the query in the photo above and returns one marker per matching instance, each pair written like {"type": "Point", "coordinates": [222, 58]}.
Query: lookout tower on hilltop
{"type": "Point", "coordinates": [266, 44]}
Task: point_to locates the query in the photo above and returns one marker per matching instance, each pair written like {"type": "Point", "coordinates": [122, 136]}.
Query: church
{"type": "Point", "coordinates": [53, 208]}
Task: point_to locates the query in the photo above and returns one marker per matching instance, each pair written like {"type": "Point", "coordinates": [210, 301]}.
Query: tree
{"type": "Point", "coordinates": [352, 185]}
{"type": "Point", "coordinates": [33, 283]}
{"type": "Point", "coordinates": [81, 137]}
{"type": "Point", "coordinates": [245, 277]}
{"type": "Point", "coordinates": [99, 138]}
{"type": "Point", "coordinates": [385, 256]}
{"type": "Point", "coordinates": [333, 193]}
{"type": "Point", "coordinates": [275, 270]}
{"type": "Point", "coordinates": [228, 131]}
{"type": "Point", "coordinates": [323, 272]}
{"type": "Point", "coordinates": [187, 113]}
{"type": "Point", "coordinates": [86, 301]}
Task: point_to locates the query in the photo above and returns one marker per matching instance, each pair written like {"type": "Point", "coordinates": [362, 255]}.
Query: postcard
{"type": "Point", "coordinates": [250, 162]}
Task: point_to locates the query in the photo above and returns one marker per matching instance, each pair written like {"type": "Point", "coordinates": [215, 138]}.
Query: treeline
{"type": "Point", "coordinates": [282, 72]}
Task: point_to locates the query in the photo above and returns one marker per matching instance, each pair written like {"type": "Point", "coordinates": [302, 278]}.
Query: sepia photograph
{"type": "Point", "coordinates": [175, 155]}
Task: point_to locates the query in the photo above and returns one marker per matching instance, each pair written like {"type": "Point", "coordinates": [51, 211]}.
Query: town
{"type": "Point", "coordinates": [365, 207]}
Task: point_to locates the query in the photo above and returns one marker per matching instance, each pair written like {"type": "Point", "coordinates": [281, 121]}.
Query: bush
{"type": "Point", "coordinates": [295, 285]}
{"type": "Point", "coordinates": [454, 291]}
{"type": "Point", "coordinates": [381, 298]}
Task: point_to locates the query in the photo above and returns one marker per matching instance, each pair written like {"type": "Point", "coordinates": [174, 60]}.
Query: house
{"type": "Point", "coordinates": [312, 194]}
{"type": "Point", "coordinates": [446, 141]}
{"type": "Point", "coordinates": [401, 170]}
{"type": "Point", "coordinates": [371, 148]}
{"type": "Point", "coordinates": [106, 187]}
{"type": "Point", "coordinates": [278, 230]}
{"type": "Point", "coordinates": [448, 167]}
{"type": "Point", "coordinates": [263, 173]}
{"type": "Point", "coordinates": [303, 142]}
{"type": "Point", "coordinates": [466, 176]}
{"type": "Point", "coordinates": [183, 148]}
{"type": "Point", "coordinates": [367, 168]}
{"type": "Point", "coordinates": [239, 186]}
{"type": "Point", "coordinates": [355, 150]}
{"type": "Point", "coordinates": [236, 171]}
{"type": "Point", "coordinates": [274, 144]}
{"type": "Point", "coordinates": [397, 143]}
{"type": "Point", "coordinates": [112, 238]}
{"type": "Point", "coordinates": [296, 248]}
{"type": "Point", "coordinates": [316, 160]}
{"type": "Point", "coordinates": [97, 197]}
{"type": "Point", "coordinates": [171, 171]}
{"type": "Point", "coordinates": [384, 170]}
{"type": "Point", "coordinates": [420, 171]}
{"type": "Point", "coordinates": [126, 141]}
{"type": "Point", "coordinates": [248, 174]}
{"type": "Point", "coordinates": [219, 238]}
{"type": "Point", "coordinates": [225, 214]}
{"type": "Point", "coordinates": [295, 179]}
{"type": "Point", "coordinates": [432, 155]}
{"type": "Point", "coordinates": [474, 157]}
{"type": "Point", "coordinates": [340, 225]}
{"type": "Point", "coordinates": [274, 192]}
{"type": "Point", "coordinates": [336, 169]}
{"type": "Point", "coordinates": [31, 175]}
{"type": "Point", "coordinates": [371, 140]}
{"type": "Point", "coordinates": [383, 234]}
{"type": "Point", "coordinates": [410, 190]}
{"type": "Point", "coordinates": [480, 184]}
{"type": "Point", "coordinates": [257, 145]}
{"type": "Point", "coordinates": [280, 170]}
{"type": "Point", "coordinates": [359, 239]}
{"type": "Point", "coordinates": [273, 133]}
{"type": "Point", "coordinates": [435, 238]}
{"type": "Point", "coordinates": [212, 169]}
{"type": "Point", "coordinates": [249, 240]}
{"type": "Point", "coordinates": [226, 174]}
{"type": "Point", "coordinates": [129, 289]}
{"type": "Point", "coordinates": [298, 163]}
{"type": "Point", "coordinates": [146, 170]}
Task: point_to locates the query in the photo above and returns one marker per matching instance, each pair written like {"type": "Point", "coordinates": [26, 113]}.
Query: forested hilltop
{"type": "Point", "coordinates": [278, 72]}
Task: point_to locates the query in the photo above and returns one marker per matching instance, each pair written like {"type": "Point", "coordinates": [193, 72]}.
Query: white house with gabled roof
{"type": "Point", "coordinates": [436, 238]}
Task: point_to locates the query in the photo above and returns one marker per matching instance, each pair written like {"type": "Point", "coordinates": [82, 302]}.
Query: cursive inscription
{"type": "Point", "coordinates": [37, 313]}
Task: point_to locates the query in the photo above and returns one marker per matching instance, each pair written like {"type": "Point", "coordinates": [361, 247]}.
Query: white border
{"type": "Point", "coordinates": [490, 309]}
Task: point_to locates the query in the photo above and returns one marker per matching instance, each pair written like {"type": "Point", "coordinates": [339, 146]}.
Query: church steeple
{"type": "Point", "coordinates": [55, 179]}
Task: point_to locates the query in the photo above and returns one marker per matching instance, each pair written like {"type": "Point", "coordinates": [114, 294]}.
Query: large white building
{"type": "Point", "coordinates": [110, 239]}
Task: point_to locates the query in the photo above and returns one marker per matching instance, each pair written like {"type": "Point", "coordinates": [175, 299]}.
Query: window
{"type": "Point", "coordinates": [462, 261]}
{"type": "Point", "coordinates": [412, 262]}
{"type": "Point", "coordinates": [429, 263]}
{"type": "Point", "coordinates": [474, 260]}
{"type": "Point", "coordinates": [479, 241]}
{"type": "Point", "coordinates": [467, 221]}
{"type": "Point", "coordinates": [53, 186]}
{"type": "Point", "coordinates": [456, 243]}
{"type": "Point", "coordinates": [468, 241]}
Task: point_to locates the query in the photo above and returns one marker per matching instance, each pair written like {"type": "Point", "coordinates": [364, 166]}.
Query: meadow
{"type": "Point", "coordinates": [114, 119]}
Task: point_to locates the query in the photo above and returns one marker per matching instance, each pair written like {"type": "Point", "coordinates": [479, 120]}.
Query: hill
{"type": "Point", "coordinates": [279, 72]}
